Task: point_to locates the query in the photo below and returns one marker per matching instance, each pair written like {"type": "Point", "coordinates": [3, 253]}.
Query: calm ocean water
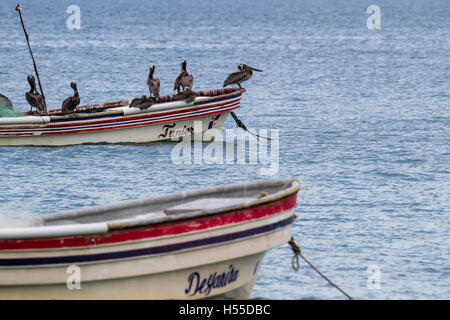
{"type": "Point", "coordinates": [363, 118]}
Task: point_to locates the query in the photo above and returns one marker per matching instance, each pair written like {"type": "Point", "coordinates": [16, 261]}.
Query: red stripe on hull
{"type": "Point", "coordinates": [159, 230]}
{"type": "Point", "coordinates": [16, 134]}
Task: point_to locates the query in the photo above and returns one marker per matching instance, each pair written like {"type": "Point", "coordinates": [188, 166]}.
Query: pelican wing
{"type": "Point", "coordinates": [70, 103]}
{"type": "Point", "coordinates": [154, 86]}
{"type": "Point", "coordinates": [187, 81]}
{"type": "Point", "coordinates": [235, 77]}
{"type": "Point", "coordinates": [35, 100]}
{"type": "Point", "coordinates": [65, 104]}
{"type": "Point", "coordinates": [178, 80]}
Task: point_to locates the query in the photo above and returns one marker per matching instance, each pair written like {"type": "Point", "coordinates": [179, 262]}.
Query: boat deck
{"type": "Point", "coordinates": [182, 205]}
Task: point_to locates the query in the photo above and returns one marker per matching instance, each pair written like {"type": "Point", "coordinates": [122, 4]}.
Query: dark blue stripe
{"type": "Point", "coordinates": [146, 251]}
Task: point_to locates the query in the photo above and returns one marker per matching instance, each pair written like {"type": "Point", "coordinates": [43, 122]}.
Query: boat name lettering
{"type": "Point", "coordinates": [196, 284]}
{"type": "Point", "coordinates": [167, 133]}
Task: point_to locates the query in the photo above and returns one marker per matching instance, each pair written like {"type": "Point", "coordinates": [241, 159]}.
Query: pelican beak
{"type": "Point", "coordinates": [254, 69]}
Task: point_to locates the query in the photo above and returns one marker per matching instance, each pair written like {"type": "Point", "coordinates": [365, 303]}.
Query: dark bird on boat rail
{"type": "Point", "coordinates": [188, 95]}
{"type": "Point", "coordinates": [70, 103]}
{"type": "Point", "coordinates": [5, 102]}
{"type": "Point", "coordinates": [153, 83]}
{"type": "Point", "coordinates": [184, 79]}
{"type": "Point", "coordinates": [33, 97]}
{"type": "Point", "coordinates": [142, 102]}
{"type": "Point", "coordinates": [245, 72]}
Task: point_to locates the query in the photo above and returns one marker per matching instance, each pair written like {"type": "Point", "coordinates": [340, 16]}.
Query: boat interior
{"type": "Point", "coordinates": [179, 205]}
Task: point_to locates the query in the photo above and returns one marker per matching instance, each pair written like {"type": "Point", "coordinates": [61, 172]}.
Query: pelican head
{"type": "Point", "coordinates": [183, 64]}
{"type": "Point", "coordinates": [73, 85]}
{"type": "Point", "coordinates": [31, 81]}
{"type": "Point", "coordinates": [152, 70]}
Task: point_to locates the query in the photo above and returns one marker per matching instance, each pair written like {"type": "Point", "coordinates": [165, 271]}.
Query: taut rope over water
{"type": "Point", "coordinates": [240, 124]}
{"type": "Point", "coordinates": [296, 265]}
{"type": "Point", "coordinates": [19, 9]}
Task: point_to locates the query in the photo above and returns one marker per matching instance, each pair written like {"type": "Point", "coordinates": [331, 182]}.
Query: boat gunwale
{"type": "Point", "coordinates": [121, 110]}
{"type": "Point", "coordinates": [292, 186]}
{"type": "Point", "coordinates": [208, 94]}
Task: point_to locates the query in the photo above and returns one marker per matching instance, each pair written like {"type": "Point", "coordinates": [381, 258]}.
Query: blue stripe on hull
{"type": "Point", "coordinates": [146, 251]}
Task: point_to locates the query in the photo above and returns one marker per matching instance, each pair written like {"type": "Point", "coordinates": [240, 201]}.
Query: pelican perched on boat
{"type": "Point", "coordinates": [245, 72]}
{"type": "Point", "coordinates": [142, 102]}
{"type": "Point", "coordinates": [33, 97]}
{"type": "Point", "coordinates": [184, 79]}
{"type": "Point", "coordinates": [70, 103]}
{"type": "Point", "coordinates": [153, 83]}
{"type": "Point", "coordinates": [5, 102]}
{"type": "Point", "coordinates": [188, 95]}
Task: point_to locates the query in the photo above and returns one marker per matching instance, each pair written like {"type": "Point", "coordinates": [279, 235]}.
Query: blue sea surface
{"type": "Point", "coordinates": [363, 118]}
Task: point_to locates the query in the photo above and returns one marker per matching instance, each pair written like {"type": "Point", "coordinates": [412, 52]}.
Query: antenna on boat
{"type": "Point", "coordinates": [19, 9]}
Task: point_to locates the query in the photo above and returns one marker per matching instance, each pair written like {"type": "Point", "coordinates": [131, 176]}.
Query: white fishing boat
{"type": "Point", "coordinates": [116, 122]}
{"type": "Point", "coordinates": [189, 245]}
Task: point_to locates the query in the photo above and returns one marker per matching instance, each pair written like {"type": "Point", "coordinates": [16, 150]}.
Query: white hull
{"type": "Point", "coordinates": [206, 256]}
{"type": "Point", "coordinates": [117, 123]}
{"type": "Point", "coordinates": [145, 134]}
{"type": "Point", "coordinates": [162, 286]}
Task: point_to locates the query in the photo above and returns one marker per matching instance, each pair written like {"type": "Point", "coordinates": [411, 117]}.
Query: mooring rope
{"type": "Point", "coordinates": [240, 124]}
{"type": "Point", "coordinates": [296, 265]}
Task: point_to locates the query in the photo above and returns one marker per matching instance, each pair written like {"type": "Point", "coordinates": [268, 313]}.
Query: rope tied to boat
{"type": "Point", "coordinates": [296, 265]}
{"type": "Point", "coordinates": [241, 125]}
{"type": "Point", "coordinates": [297, 252]}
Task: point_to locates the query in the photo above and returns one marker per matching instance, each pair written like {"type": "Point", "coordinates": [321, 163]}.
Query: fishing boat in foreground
{"type": "Point", "coordinates": [189, 245]}
{"type": "Point", "coordinates": [116, 122]}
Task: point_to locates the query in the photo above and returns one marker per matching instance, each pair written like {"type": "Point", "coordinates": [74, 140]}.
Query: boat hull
{"type": "Point", "coordinates": [168, 285]}
{"type": "Point", "coordinates": [172, 120]}
{"type": "Point", "coordinates": [205, 256]}
{"type": "Point", "coordinates": [142, 134]}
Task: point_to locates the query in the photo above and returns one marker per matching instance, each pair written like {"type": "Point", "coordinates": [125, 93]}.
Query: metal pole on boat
{"type": "Point", "coordinates": [19, 9]}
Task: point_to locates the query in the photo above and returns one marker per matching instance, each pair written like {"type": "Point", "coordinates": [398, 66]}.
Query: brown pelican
{"type": "Point", "coordinates": [5, 102]}
{"type": "Point", "coordinates": [70, 103]}
{"type": "Point", "coordinates": [33, 97]}
{"type": "Point", "coordinates": [187, 95]}
{"type": "Point", "coordinates": [142, 102]}
{"type": "Point", "coordinates": [153, 83]}
{"type": "Point", "coordinates": [244, 74]}
{"type": "Point", "coordinates": [184, 79]}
